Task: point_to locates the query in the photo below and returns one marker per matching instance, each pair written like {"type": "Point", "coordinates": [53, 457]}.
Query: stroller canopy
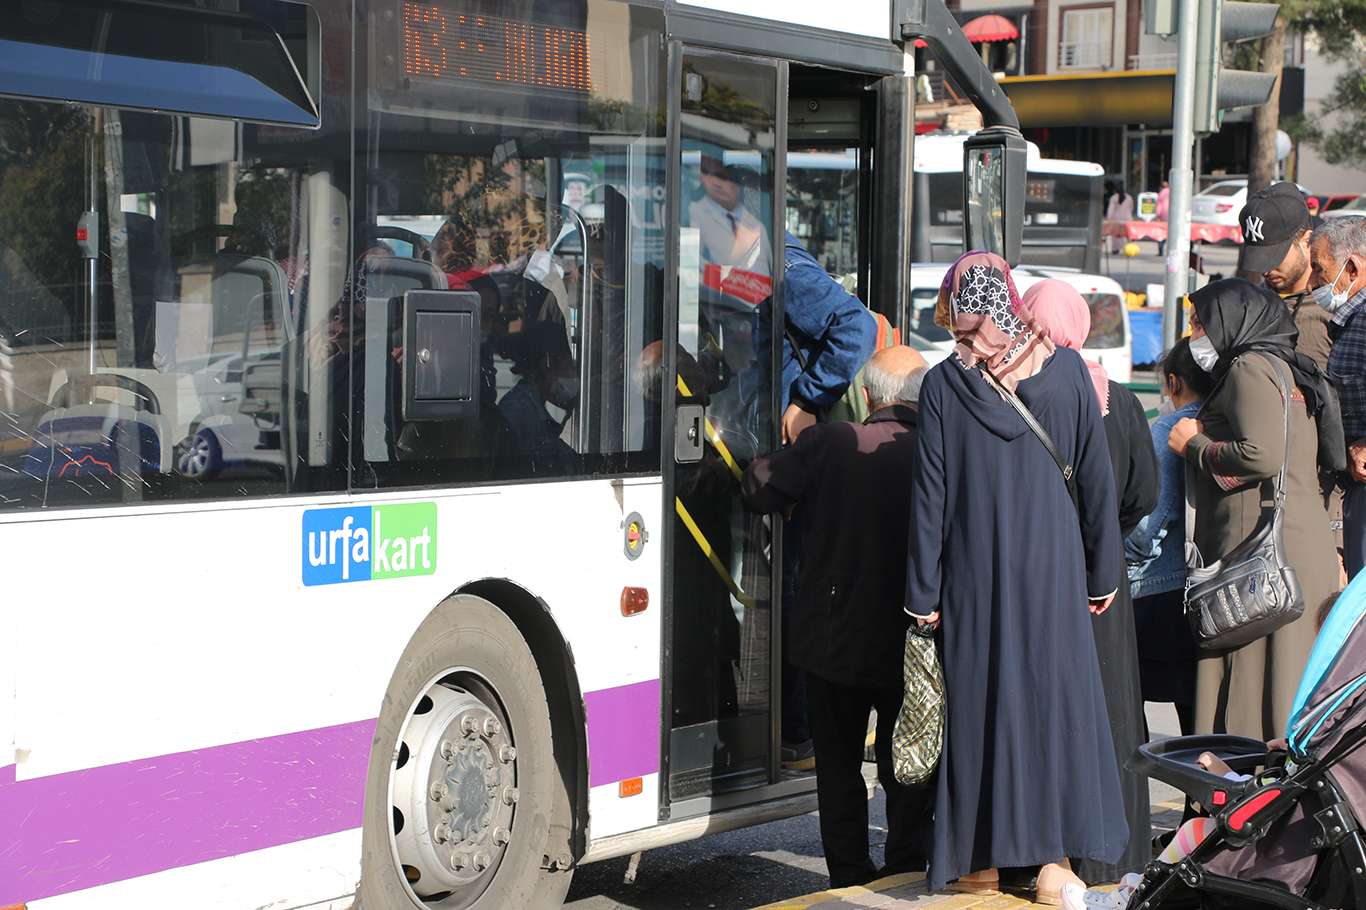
{"type": "Point", "coordinates": [1333, 681]}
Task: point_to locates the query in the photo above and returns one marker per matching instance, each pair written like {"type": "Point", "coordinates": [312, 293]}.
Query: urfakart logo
{"type": "Point", "coordinates": [361, 543]}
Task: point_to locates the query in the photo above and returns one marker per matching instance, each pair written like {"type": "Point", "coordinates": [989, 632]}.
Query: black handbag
{"type": "Point", "coordinates": [1252, 591]}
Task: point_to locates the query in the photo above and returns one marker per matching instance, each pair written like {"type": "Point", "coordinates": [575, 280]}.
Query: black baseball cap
{"type": "Point", "coordinates": [1270, 221]}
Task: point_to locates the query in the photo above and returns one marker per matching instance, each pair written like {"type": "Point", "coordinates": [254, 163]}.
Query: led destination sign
{"type": "Point", "coordinates": [440, 42]}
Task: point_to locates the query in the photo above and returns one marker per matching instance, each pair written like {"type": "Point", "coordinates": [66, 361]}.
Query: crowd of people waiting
{"type": "Point", "coordinates": [1058, 595]}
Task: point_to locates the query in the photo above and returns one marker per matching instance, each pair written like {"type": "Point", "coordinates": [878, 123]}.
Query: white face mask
{"type": "Point", "coordinates": [1328, 298]}
{"type": "Point", "coordinates": [1166, 406]}
{"type": "Point", "coordinates": [1202, 349]}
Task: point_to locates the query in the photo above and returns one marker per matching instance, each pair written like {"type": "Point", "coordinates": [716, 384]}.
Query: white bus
{"type": "Point", "coordinates": [372, 404]}
{"type": "Point", "coordinates": [1063, 206]}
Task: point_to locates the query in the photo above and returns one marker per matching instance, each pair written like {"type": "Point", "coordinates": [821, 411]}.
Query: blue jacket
{"type": "Point", "coordinates": [1156, 549]}
{"type": "Point", "coordinates": [834, 331]}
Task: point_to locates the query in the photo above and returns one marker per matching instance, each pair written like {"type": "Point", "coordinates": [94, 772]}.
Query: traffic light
{"type": "Point", "coordinates": [1218, 88]}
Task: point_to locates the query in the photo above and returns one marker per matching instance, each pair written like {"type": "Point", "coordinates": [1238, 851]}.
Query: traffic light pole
{"type": "Point", "coordinates": [1181, 179]}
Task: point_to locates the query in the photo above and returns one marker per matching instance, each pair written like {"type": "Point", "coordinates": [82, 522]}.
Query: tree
{"type": "Point", "coordinates": [1338, 129]}
{"type": "Point", "coordinates": [1266, 119]}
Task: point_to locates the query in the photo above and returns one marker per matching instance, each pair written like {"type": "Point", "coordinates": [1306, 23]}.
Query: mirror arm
{"type": "Point", "coordinates": [932, 21]}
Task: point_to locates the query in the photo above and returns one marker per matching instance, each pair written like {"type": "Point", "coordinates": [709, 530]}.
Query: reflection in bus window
{"type": "Point", "coordinates": [160, 346]}
{"type": "Point", "coordinates": [823, 208]}
{"type": "Point", "coordinates": [539, 189]}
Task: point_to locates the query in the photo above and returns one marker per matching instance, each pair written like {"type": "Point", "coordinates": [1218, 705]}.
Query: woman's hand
{"type": "Point", "coordinates": [1098, 605]}
{"type": "Point", "coordinates": [1186, 429]}
{"type": "Point", "coordinates": [928, 622]}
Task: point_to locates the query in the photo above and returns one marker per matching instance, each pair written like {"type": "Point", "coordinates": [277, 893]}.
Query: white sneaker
{"type": "Point", "coordinates": [1074, 897]}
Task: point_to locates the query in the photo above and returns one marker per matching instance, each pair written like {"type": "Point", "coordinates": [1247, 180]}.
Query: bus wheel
{"type": "Point", "coordinates": [462, 785]}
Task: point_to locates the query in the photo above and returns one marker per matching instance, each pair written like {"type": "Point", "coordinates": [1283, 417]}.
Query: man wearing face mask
{"type": "Point", "coordinates": [1338, 255]}
{"type": "Point", "coordinates": [1277, 228]}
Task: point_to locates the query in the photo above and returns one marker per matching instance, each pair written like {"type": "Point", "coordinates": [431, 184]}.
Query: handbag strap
{"type": "Point", "coordinates": [1068, 474]}
{"type": "Point", "coordinates": [1285, 457]}
{"type": "Point", "coordinates": [1193, 558]}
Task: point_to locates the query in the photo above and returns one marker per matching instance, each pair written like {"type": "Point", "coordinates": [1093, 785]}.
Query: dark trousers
{"type": "Point", "coordinates": [1353, 528]}
{"type": "Point", "coordinates": [839, 726]}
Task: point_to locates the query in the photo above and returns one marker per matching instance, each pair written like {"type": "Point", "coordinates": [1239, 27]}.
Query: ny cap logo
{"type": "Point", "coordinates": [1254, 229]}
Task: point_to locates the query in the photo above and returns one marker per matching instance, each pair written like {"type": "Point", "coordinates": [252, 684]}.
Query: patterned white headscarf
{"type": "Point", "coordinates": [994, 328]}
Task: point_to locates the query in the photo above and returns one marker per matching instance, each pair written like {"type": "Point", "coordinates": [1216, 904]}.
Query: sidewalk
{"type": "Point", "coordinates": [895, 893]}
{"type": "Point", "coordinates": [901, 892]}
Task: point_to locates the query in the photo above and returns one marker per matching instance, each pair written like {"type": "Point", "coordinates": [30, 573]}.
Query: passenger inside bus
{"type": "Point", "coordinates": [540, 357]}
{"type": "Point", "coordinates": [731, 235]}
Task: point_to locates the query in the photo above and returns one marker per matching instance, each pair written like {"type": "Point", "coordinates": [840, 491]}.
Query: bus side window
{"type": "Point", "coordinates": [171, 352]}
{"type": "Point", "coordinates": [551, 210]}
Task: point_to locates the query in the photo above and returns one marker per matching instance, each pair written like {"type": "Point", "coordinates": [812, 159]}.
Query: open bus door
{"type": "Point", "coordinates": [731, 161]}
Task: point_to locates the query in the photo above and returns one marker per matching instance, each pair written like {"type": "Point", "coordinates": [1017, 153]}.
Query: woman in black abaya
{"type": "Point", "coordinates": [1001, 556]}
{"type": "Point", "coordinates": [1065, 318]}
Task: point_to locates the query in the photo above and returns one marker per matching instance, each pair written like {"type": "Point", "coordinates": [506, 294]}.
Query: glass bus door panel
{"type": "Point", "coordinates": [721, 660]}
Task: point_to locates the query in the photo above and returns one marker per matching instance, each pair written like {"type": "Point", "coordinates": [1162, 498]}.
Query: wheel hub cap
{"type": "Point", "coordinates": [454, 796]}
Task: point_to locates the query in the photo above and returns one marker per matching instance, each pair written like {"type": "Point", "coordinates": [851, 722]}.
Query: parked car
{"type": "Point", "coordinates": [1356, 207]}
{"type": "Point", "coordinates": [1109, 343]}
{"type": "Point", "coordinates": [1221, 202]}
{"type": "Point", "coordinates": [1332, 203]}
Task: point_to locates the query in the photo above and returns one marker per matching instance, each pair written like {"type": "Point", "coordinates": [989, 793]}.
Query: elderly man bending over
{"type": "Point", "coordinates": [850, 484]}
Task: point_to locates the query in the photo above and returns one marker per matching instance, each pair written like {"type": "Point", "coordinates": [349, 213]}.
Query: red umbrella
{"type": "Point", "coordinates": [990, 28]}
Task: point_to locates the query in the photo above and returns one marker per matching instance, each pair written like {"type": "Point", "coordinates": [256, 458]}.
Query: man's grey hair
{"type": "Point", "coordinates": [886, 388]}
{"type": "Point", "coordinates": [1345, 235]}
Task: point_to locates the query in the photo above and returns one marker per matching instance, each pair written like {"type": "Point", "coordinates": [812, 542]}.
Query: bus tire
{"type": "Point", "coordinates": [462, 786]}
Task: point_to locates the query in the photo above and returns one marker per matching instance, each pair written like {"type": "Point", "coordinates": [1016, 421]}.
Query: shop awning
{"type": "Point", "coordinates": [990, 28]}
{"type": "Point", "coordinates": [1093, 99]}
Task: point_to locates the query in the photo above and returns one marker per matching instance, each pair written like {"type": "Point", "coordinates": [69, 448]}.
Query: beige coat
{"type": "Point", "coordinates": [1249, 692]}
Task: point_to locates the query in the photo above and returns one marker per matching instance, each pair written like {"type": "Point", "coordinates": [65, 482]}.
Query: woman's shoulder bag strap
{"type": "Point", "coordinates": [1068, 474]}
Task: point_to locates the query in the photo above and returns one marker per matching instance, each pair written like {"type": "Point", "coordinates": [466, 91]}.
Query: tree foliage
{"type": "Point", "coordinates": [1338, 128]}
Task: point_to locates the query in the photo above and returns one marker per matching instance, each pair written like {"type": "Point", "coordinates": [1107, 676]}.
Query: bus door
{"type": "Point", "coordinates": [727, 120]}
{"type": "Point", "coordinates": [830, 135]}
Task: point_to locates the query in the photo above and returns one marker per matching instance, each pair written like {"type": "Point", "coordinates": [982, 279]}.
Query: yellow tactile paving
{"type": "Point", "coordinates": [897, 892]}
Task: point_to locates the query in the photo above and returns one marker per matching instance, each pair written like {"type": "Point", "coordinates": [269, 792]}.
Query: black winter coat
{"type": "Point", "coordinates": [851, 487]}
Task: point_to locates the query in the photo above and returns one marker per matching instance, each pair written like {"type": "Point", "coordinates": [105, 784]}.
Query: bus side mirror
{"type": "Point", "coordinates": [995, 165]}
{"type": "Point", "coordinates": [440, 355]}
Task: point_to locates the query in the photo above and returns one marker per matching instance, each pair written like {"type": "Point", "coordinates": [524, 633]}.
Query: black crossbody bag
{"type": "Point", "coordinates": [1068, 473]}
{"type": "Point", "coordinates": [1252, 591]}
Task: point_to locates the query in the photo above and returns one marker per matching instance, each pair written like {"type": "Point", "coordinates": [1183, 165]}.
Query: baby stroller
{"type": "Point", "coordinates": [1291, 835]}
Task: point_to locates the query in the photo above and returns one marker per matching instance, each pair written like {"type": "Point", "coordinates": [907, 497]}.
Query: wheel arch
{"type": "Point", "coordinates": [560, 679]}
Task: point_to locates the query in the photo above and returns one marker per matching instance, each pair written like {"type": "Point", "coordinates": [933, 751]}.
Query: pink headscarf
{"type": "Point", "coordinates": [992, 325]}
{"type": "Point", "coordinates": [1064, 316]}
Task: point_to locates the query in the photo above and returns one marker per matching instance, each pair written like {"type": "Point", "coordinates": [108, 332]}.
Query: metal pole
{"type": "Point", "coordinates": [91, 223]}
{"type": "Point", "coordinates": [1181, 177]}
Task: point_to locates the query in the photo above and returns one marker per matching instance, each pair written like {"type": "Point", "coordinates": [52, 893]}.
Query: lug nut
{"type": "Point", "coordinates": [468, 725]}
{"type": "Point", "coordinates": [507, 755]}
{"type": "Point", "coordinates": [439, 792]}
{"type": "Point", "coordinates": [492, 727]}
{"type": "Point", "coordinates": [447, 749]}
{"type": "Point", "coordinates": [511, 795]}
{"type": "Point", "coordinates": [501, 836]}
{"type": "Point", "coordinates": [459, 861]}
{"type": "Point", "coordinates": [481, 861]}
{"type": "Point", "coordinates": [441, 833]}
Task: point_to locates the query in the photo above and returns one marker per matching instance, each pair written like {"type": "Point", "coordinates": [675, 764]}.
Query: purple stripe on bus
{"type": "Point", "coordinates": [66, 832]}
{"type": "Point", "coordinates": [623, 732]}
